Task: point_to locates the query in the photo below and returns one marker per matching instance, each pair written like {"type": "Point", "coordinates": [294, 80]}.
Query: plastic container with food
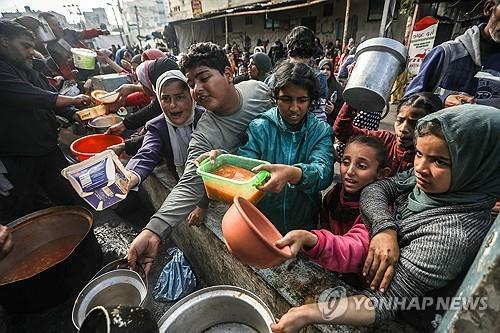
{"type": "Point", "coordinates": [231, 176]}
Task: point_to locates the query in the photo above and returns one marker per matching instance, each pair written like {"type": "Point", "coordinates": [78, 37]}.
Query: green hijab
{"type": "Point", "coordinates": [472, 133]}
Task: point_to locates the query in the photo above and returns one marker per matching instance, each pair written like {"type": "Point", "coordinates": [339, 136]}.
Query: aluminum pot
{"type": "Point", "coordinates": [219, 308]}
{"type": "Point", "coordinates": [37, 284]}
{"type": "Point", "coordinates": [115, 284]}
{"type": "Point", "coordinates": [119, 319]}
{"type": "Point", "coordinates": [40, 27]}
{"type": "Point", "coordinates": [101, 124]}
{"type": "Point", "coordinates": [378, 63]}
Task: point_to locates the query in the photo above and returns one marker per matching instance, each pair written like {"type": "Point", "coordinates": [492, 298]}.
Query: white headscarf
{"type": "Point", "coordinates": [179, 134]}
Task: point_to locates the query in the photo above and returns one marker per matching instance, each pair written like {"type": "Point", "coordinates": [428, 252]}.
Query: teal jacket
{"type": "Point", "coordinates": [310, 148]}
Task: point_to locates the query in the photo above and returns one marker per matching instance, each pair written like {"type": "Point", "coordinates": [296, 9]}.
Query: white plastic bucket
{"type": "Point", "coordinates": [83, 58]}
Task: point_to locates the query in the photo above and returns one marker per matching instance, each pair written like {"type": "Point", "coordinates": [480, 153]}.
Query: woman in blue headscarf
{"type": "Point", "coordinates": [427, 224]}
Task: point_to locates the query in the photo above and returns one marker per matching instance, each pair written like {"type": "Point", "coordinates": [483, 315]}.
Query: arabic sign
{"type": "Point", "coordinates": [422, 40]}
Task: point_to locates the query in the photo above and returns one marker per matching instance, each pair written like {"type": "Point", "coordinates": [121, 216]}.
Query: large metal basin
{"type": "Point", "coordinates": [378, 63]}
{"type": "Point", "coordinates": [218, 309]}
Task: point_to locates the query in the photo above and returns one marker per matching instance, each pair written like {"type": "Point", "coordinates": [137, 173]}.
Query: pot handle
{"type": "Point", "coordinates": [121, 264]}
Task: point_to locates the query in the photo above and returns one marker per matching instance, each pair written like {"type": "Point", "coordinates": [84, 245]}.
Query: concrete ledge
{"type": "Point", "coordinates": [294, 283]}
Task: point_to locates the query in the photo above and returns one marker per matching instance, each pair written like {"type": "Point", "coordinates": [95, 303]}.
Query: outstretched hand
{"type": "Point", "coordinates": [281, 175]}
{"type": "Point", "coordinates": [383, 256]}
{"type": "Point", "coordinates": [212, 155]}
{"type": "Point", "coordinates": [297, 239]}
{"type": "Point", "coordinates": [143, 250]}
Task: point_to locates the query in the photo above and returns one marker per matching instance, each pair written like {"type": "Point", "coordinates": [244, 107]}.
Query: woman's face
{"type": "Point", "coordinates": [326, 69]}
{"type": "Point", "coordinates": [176, 102]}
{"type": "Point", "coordinates": [359, 167]}
{"type": "Point", "coordinates": [432, 164]}
{"type": "Point", "coordinates": [293, 103]}
{"type": "Point", "coordinates": [252, 71]}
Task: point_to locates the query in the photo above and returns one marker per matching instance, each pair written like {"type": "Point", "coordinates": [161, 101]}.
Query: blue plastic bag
{"type": "Point", "coordinates": [176, 279]}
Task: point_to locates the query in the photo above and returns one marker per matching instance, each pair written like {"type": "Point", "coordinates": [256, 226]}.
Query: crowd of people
{"type": "Point", "coordinates": [412, 206]}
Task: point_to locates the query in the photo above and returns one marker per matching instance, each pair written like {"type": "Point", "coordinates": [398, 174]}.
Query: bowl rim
{"type": "Point", "coordinates": [284, 252]}
{"type": "Point", "coordinates": [72, 147]}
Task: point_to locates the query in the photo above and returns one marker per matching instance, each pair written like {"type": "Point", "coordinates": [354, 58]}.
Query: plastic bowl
{"type": "Point", "coordinates": [226, 189]}
{"type": "Point", "coordinates": [90, 145]}
{"type": "Point", "coordinates": [250, 236]}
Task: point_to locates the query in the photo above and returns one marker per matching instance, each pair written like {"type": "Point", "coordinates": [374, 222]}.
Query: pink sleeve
{"type": "Point", "coordinates": [343, 254]}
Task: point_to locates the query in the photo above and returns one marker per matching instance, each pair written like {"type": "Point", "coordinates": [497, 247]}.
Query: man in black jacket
{"type": "Point", "coordinates": [28, 145]}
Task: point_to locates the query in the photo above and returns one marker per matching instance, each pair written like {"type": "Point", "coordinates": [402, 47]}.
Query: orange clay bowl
{"type": "Point", "coordinates": [250, 236]}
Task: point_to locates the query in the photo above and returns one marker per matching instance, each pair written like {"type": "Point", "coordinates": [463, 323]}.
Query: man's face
{"type": "Point", "coordinates": [210, 88]}
{"type": "Point", "coordinates": [493, 27]}
{"type": "Point", "coordinates": [19, 50]}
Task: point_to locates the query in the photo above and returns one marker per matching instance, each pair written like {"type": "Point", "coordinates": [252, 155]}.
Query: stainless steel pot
{"type": "Point", "coordinates": [378, 63]}
{"type": "Point", "coordinates": [113, 285]}
{"type": "Point", "coordinates": [214, 309]}
{"type": "Point", "coordinates": [40, 27]}
{"type": "Point", "coordinates": [101, 124]}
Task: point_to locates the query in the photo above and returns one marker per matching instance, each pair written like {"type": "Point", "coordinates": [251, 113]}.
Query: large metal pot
{"type": "Point", "coordinates": [216, 309]}
{"type": "Point", "coordinates": [55, 254]}
{"type": "Point", "coordinates": [115, 284]}
{"type": "Point", "coordinates": [40, 27]}
{"type": "Point", "coordinates": [378, 63]}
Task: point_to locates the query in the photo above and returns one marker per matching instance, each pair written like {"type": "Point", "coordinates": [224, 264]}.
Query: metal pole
{"type": "Point", "coordinates": [385, 15]}
{"type": "Point", "coordinates": [138, 29]}
{"type": "Point", "coordinates": [346, 24]}
{"type": "Point", "coordinates": [225, 24]}
{"type": "Point", "coordinates": [119, 28]}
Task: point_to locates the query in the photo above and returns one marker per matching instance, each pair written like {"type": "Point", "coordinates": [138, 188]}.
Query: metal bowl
{"type": "Point", "coordinates": [102, 123]}
{"type": "Point", "coordinates": [119, 319]}
{"type": "Point", "coordinates": [117, 287]}
{"type": "Point", "coordinates": [218, 309]}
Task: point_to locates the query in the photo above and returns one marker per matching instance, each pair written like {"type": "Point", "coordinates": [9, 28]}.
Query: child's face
{"type": "Point", "coordinates": [404, 126]}
{"type": "Point", "coordinates": [293, 103]}
{"type": "Point", "coordinates": [432, 164]}
{"type": "Point", "coordinates": [359, 167]}
{"type": "Point", "coordinates": [176, 102]}
{"type": "Point", "coordinates": [210, 88]}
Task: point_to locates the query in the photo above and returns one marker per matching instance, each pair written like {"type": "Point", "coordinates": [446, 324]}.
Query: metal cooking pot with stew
{"type": "Point", "coordinates": [55, 254]}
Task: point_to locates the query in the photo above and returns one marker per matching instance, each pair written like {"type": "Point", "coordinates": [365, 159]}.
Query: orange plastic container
{"type": "Point", "coordinates": [250, 236]}
{"type": "Point", "coordinates": [90, 145]}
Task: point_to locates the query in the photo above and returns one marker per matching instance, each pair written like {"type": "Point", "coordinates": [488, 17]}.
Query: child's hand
{"type": "Point", "coordinates": [197, 216]}
{"type": "Point", "coordinates": [133, 180]}
{"type": "Point", "coordinates": [297, 239]}
{"type": "Point", "coordinates": [383, 255]}
{"type": "Point", "coordinates": [211, 154]}
{"type": "Point", "coordinates": [281, 175]}
{"type": "Point", "coordinates": [293, 320]}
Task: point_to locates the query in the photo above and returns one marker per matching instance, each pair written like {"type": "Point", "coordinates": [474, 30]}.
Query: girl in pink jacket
{"type": "Point", "coordinates": [342, 243]}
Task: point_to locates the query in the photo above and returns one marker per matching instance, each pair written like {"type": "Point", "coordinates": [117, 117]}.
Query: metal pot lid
{"type": "Point", "coordinates": [384, 44]}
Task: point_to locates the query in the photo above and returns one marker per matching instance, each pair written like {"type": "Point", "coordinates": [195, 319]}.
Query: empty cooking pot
{"type": "Point", "coordinates": [54, 256]}
{"type": "Point", "coordinates": [119, 319]}
{"type": "Point", "coordinates": [115, 284]}
{"type": "Point", "coordinates": [378, 63]}
{"type": "Point", "coordinates": [214, 309]}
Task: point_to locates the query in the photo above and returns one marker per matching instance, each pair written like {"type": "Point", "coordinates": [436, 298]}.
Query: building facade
{"type": "Point", "coordinates": [95, 18]}
{"type": "Point", "coordinates": [234, 21]}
